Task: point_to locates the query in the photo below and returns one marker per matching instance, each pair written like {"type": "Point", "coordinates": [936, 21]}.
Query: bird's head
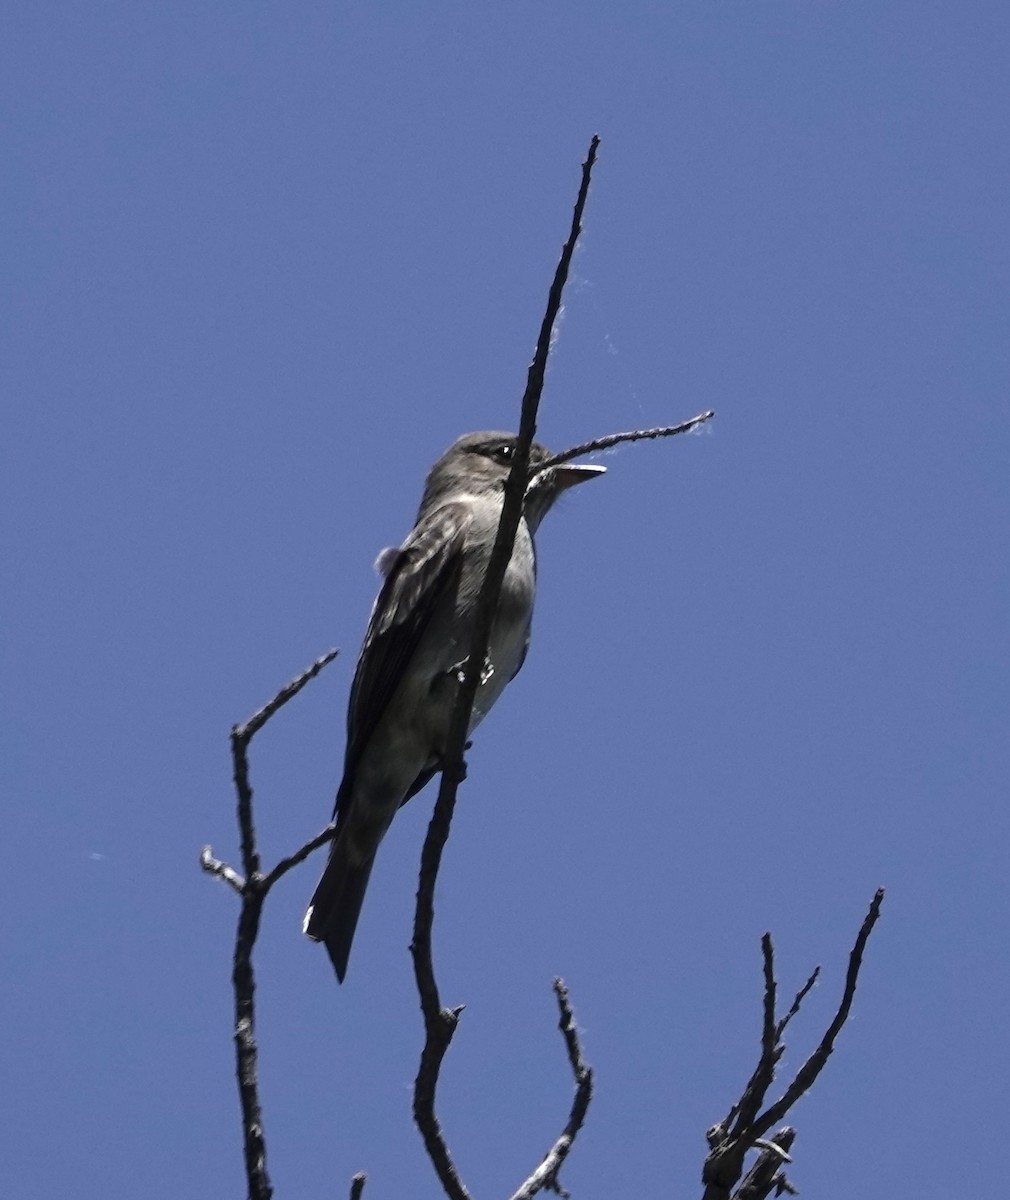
{"type": "Point", "coordinates": [479, 462]}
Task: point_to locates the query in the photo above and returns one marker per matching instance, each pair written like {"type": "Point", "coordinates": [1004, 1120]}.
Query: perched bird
{"type": "Point", "coordinates": [410, 665]}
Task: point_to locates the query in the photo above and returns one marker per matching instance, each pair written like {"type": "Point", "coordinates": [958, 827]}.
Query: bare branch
{"type": "Point", "coordinates": [766, 1175]}
{"type": "Point", "coordinates": [241, 736]}
{"type": "Point", "coordinates": [757, 1086]}
{"type": "Point", "coordinates": [438, 1030]}
{"type": "Point", "coordinates": [299, 856]}
{"type": "Point", "coordinates": [253, 890]}
{"type": "Point", "coordinates": [729, 1146]}
{"type": "Point", "coordinates": [801, 995]}
{"type": "Point", "coordinates": [246, 1052]}
{"type": "Point", "coordinates": [636, 435]}
{"type": "Point", "coordinates": [244, 794]}
{"type": "Point", "coordinates": [546, 1175]}
{"type": "Point", "coordinates": [807, 1074]}
{"type": "Point", "coordinates": [214, 866]}
{"type": "Point", "coordinates": [288, 692]}
{"type": "Point", "coordinates": [440, 1023]}
{"type": "Point", "coordinates": [358, 1185]}
{"type": "Point", "coordinates": [768, 1030]}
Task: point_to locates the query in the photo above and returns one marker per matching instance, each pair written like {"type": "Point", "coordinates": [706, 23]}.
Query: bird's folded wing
{"type": "Point", "coordinates": [426, 568]}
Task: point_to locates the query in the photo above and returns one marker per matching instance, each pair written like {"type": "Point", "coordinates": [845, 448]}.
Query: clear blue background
{"type": "Point", "coordinates": [262, 263]}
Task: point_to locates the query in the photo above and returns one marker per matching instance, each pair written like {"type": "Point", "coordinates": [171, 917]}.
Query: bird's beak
{"type": "Point", "coordinates": [569, 474]}
{"type": "Point", "coordinates": [545, 487]}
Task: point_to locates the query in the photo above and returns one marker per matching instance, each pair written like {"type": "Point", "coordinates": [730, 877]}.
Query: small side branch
{"type": "Point", "coordinates": [633, 435]}
{"type": "Point", "coordinates": [299, 856]}
{"type": "Point", "coordinates": [256, 722]}
{"type": "Point", "coordinates": [214, 866]}
{"type": "Point", "coordinates": [807, 1074]}
{"type": "Point", "coordinates": [546, 1174]}
{"type": "Point", "coordinates": [800, 996]}
{"type": "Point", "coordinates": [745, 1126]}
{"type": "Point", "coordinates": [252, 891]}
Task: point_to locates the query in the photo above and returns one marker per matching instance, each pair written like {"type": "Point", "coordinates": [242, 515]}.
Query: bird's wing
{"type": "Point", "coordinates": [424, 569]}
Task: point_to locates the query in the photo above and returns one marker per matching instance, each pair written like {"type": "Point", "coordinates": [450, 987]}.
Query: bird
{"type": "Point", "coordinates": [412, 660]}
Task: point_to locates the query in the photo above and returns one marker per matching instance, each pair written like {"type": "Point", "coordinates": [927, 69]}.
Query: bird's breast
{"type": "Point", "coordinates": [510, 631]}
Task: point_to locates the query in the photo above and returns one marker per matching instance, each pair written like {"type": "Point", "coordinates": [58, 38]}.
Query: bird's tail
{"type": "Point", "coordinates": [333, 911]}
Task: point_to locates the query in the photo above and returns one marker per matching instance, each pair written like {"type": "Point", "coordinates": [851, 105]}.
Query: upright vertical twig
{"type": "Point", "coordinates": [252, 889]}
{"type": "Point", "coordinates": [546, 1174]}
{"type": "Point", "coordinates": [440, 1023]}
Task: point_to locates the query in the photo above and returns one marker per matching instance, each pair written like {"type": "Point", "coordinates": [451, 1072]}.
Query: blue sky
{"type": "Point", "coordinates": [262, 263]}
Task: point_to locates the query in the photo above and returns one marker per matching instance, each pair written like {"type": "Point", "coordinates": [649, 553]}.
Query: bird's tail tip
{"type": "Point", "coordinates": [332, 914]}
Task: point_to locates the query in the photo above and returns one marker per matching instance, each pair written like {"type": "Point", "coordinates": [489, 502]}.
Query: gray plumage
{"type": "Point", "coordinates": [408, 671]}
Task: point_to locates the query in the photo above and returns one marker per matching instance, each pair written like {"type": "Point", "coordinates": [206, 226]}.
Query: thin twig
{"type": "Point", "coordinates": [729, 1145]}
{"type": "Point", "coordinates": [801, 995]}
{"type": "Point", "coordinates": [358, 1185]}
{"type": "Point", "coordinates": [766, 1174]}
{"type": "Point", "coordinates": [808, 1073]}
{"type": "Point", "coordinates": [214, 866]}
{"type": "Point", "coordinates": [253, 890]}
{"type": "Point", "coordinates": [288, 692]}
{"type": "Point", "coordinates": [241, 737]}
{"type": "Point", "coordinates": [768, 1030]}
{"type": "Point", "coordinates": [546, 1174]}
{"type": "Point", "coordinates": [299, 856]}
{"type": "Point", "coordinates": [440, 1023]}
{"type": "Point", "coordinates": [635, 435]}
{"type": "Point", "coordinates": [243, 790]}
{"type": "Point", "coordinates": [760, 1081]}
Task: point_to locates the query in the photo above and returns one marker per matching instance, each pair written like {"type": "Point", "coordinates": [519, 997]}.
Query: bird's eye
{"type": "Point", "coordinates": [503, 454]}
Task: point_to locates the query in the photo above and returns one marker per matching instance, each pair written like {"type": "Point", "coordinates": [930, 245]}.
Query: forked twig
{"type": "Point", "coordinates": [745, 1126]}
{"type": "Point", "coordinates": [252, 891]}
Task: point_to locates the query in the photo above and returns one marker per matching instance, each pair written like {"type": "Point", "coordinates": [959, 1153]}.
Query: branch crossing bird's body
{"type": "Point", "coordinates": [410, 665]}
